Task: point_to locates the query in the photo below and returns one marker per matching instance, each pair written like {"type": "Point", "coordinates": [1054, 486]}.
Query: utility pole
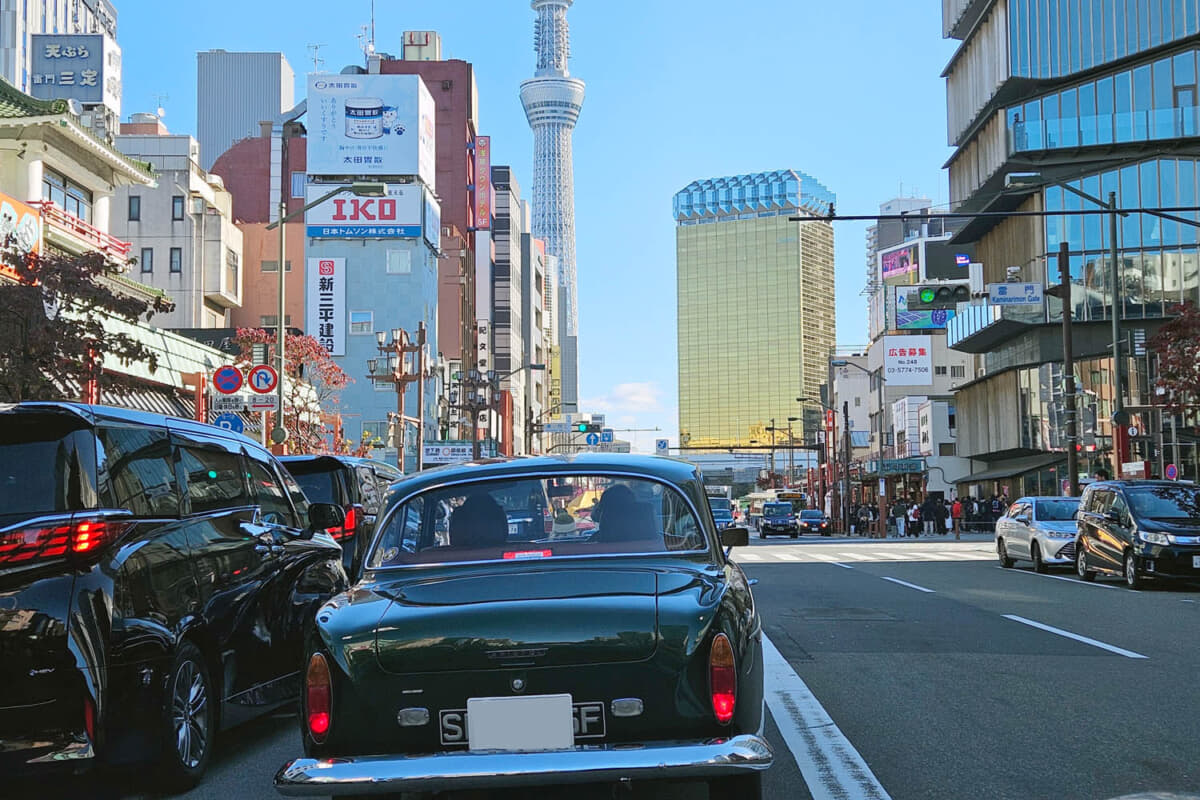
{"type": "Point", "coordinates": [772, 452]}
{"type": "Point", "coordinates": [1064, 287]}
{"type": "Point", "coordinates": [846, 450]}
{"type": "Point", "coordinates": [1119, 417]}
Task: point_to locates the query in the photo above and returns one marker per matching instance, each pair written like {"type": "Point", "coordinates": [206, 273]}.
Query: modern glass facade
{"type": "Point", "coordinates": [1056, 38]}
{"type": "Point", "coordinates": [748, 262]}
{"type": "Point", "coordinates": [1151, 101]}
{"type": "Point", "coordinates": [1159, 259]}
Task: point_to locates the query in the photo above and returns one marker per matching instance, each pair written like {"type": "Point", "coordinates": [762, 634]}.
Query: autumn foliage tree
{"type": "Point", "coordinates": [311, 389]}
{"type": "Point", "coordinates": [56, 314]}
{"type": "Point", "coordinates": [1177, 345]}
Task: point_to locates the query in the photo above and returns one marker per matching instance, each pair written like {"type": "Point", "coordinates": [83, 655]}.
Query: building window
{"type": "Point", "coordinates": [177, 208]}
{"type": "Point", "coordinates": [399, 262]}
{"type": "Point", "coordinates": [176, 259]}
{"type": "Point", "coordinates": [271, 320]}
{"type": "Point", "coordinates": [147, 259]}
{"type": "Point", "coordinates": [858, 402]}
{"type": "Point", "coordinates": [939, 370]}
{"type": "Point", "coordinates": [299, 179]}
{"type": "Point", "coordinates": [374, 432]}
{"type": "Point", "coordinates": [958, 372]}
{"type": "Point", "coordinates": [273, 266]}
{"type": "Point", "coordinates": [946, 449]}
{"type": "Point", "coordinates": [67, 195]}
{"type": "Point", "coordinates": [362, 322]}
{"type": "Point", "coordinates": [135, 208]}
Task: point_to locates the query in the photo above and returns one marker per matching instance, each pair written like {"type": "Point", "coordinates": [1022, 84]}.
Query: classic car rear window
{"type": "Point", "coordinates": [535, 518]}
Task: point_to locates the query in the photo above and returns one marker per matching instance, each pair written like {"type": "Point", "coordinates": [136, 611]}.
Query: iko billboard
{"type": "Point", "coordinates": [908, 360]}
{"type": "Point", "coordinates": [370, 125]}
{"type": "Point", "coordinates": [77, 66]}
{"type": "Point", "coordinates": [395, 216]}
{"type": "Point", "coordinates": [325, 312]}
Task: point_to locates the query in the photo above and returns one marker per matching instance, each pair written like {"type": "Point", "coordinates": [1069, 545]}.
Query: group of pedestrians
{"type": "Point", "coordinates": [909, 518]}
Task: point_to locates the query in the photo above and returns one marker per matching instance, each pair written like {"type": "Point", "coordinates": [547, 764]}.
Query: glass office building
{"type": "Point", "coordinates": [1099, 96]}
{"type": "Point", "coordinates": [756, 319]}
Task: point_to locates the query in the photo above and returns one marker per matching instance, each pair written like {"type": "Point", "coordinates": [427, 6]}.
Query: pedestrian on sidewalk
{"type": "Point", "coordinates": [944, 524]}
{"type": "Point", "coordinates": [914, 519]}
{"type": "Point", "coordinates": [956, 512]}
{"type": "Point", "coordinates": [929, 515]}
{"type": "Point", "coordinates": [899, 513]}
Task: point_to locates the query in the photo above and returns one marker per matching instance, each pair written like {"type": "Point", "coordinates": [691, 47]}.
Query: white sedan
{"type": "Point", "coordinates": [1038, 529]}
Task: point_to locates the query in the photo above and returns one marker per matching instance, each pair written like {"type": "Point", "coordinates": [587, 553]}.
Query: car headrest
{"type": "Point", "coordinates": [478, 522]}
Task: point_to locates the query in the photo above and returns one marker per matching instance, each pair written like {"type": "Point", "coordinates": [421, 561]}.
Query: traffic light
{"type": "Point", "coordinates": [586, 427]}
{"type": "Point", "coordinates": [938, 296]}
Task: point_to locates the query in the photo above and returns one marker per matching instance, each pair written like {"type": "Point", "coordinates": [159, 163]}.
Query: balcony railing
{"type": "Point", "coordinates": [977, 327]}
{"type": "Point", "coordinates": [84, 231]}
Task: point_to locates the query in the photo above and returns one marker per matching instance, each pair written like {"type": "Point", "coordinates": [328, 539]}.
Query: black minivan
{"type": "Point", "coordinates": [358, 485]}
{"type": "Point", "coordinates": [1138, 530]}
{"type": "Point", "coordinates": [157, 579]}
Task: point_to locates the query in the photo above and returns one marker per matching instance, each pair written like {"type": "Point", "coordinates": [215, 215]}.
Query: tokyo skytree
{"type": "Point", "coordinates": [552, 101]}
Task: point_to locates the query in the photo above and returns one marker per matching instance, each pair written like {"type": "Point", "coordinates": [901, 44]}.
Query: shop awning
{"type": "Point", "coordinates": [1016, 466]}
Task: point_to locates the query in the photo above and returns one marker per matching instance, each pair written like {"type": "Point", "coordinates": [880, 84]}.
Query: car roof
{"type": "Point", "coordinates": [334, 457]}
{"type": "Point", "coordinates": [1121, 484]}
{"type": "Point", "coordinates": [93, 414]}
{"type": "Point", "coordinates": [662, 468]}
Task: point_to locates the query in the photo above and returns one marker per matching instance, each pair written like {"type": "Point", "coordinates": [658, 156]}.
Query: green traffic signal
{"type": "Point", "coordinates": [581, 427]}
{"type": "Point", "coordinates": [927, 295]}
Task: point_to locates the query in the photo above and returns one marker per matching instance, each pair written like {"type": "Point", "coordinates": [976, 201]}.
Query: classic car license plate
{"type": "Point", "coordinates": [514, 529]}
{"type": "Point", "coordinates": [1196, 562]}
{"type": "Point", "coordinates": [538, 722]}
{"type": "Point", "coordinates": [587, 723]}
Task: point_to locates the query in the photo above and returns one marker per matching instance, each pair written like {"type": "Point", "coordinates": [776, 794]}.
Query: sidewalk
{"type": "Point", "coordinates": [837, 539]}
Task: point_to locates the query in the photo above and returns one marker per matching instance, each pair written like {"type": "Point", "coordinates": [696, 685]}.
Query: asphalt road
{"type": "Point", "coordinates": [927, 688]}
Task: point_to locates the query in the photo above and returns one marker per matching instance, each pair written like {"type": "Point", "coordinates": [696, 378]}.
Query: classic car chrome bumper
{"type": "Point", "coordinates": [305, 777]}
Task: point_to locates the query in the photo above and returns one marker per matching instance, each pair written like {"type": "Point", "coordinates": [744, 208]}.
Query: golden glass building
{"type": "Point", "coordinates": [755, 304]}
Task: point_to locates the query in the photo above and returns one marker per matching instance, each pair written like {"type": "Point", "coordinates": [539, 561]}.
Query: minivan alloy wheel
{"type": "Point", "coordinates": [189, 714]}
{"type": "Point", "coordinates": [1081, 567]}
{"type": "Point", "coordinates": [1132, 579]}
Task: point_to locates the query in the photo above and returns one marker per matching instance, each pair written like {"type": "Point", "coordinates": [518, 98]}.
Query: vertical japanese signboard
{"type": "Point", "coordinates": [325, 317]}
{"type": "Point", "coordinates": [483, 183]}
{"type": "Point", "coordinates": [908, 360]}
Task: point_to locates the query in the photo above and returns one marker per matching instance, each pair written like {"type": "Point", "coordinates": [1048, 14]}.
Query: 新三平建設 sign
{"type": "Point", "coordinates": [325, 316]}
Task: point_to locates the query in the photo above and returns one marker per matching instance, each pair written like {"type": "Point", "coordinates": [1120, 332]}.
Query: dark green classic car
{"type": "Point", "coordinates": [475, 652]}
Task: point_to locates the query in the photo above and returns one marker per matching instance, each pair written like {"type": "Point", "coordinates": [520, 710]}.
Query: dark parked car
{"type": "Point", "coordinates": [358, 485]}
{"type": "Point", "coordinates": [813, 520]}
{"type": "Point", "coordinates": [722, 511]}
{"type": "Point", "coordinates": [778, 518]}
{"type": "Point", "coordinates": [156, 579]}
{"type": "Point", "coordinates": [504, 658]}
{"type": "Point", "coordinates": [1138, 530]}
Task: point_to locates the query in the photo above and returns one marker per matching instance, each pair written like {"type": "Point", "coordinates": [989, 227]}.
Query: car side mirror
{"type": "Point", "coordinates": [735, 537]}
{"type": "Point", "coordinates": [322, 516]}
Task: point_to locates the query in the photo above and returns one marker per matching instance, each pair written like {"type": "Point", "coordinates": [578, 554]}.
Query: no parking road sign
{"type": "Point", "coordinates": [263, 379]}
{"type": "Point", "coordinates": [227, 379]}
{"type": "Point", "coordinates": [1172, 472]}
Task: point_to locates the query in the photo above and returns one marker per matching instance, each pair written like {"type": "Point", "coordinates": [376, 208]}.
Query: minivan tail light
{"type": "Point", "coordinates": [722, 678]}
{"type": "Point", "coordinates": [80, 537]}
{"type": "Point", "coordinates": [317, 695]}
{"type": "Point", "coordinates": [89, 719]}
{"type": "Point", "coordinates": [347, 528]}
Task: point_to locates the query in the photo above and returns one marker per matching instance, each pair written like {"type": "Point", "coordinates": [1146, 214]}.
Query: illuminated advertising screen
{"type": "Point", "coordinates": [901, 265]}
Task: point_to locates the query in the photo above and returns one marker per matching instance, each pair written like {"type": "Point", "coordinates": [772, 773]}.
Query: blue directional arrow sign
{"type": "Point", "coordinates": [592, 439]}
{"type": "Point", "coordinates": [606, 436]}
{"type": "Point", "coordinates": [230, 422]}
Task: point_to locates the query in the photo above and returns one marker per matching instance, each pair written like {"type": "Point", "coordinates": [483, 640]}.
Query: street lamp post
{"type": "Point", "coordinates": [394, 355]}
{"type": "Point", "coordinates": [358, 188]}
{"type": "Point", "coordinates": [483, 391]}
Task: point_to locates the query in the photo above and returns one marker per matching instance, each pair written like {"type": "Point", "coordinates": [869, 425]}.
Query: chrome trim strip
{"type": "Point", "coordinates": [309, 777]}
{"type": "Point", "coordinates": [386, 517]}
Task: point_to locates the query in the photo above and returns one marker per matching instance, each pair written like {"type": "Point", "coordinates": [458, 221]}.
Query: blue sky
{"type": "Point", "coordinates": [848, 92]}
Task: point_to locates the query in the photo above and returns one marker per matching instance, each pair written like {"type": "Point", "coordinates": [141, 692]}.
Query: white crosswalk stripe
{"type": "Point", "coordinates": [816, 554]}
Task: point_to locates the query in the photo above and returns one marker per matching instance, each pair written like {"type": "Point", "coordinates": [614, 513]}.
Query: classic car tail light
{"type": "Point", "coordinates": [89, 719]}
{"type": "Point", "coordinates": [722, 678]}
{"type": "Point", "coordinates": [317, 696]}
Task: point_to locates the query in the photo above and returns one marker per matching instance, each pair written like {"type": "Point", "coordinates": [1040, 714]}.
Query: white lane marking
{"type": "Point", "coordinates": [787, 557]}
{"type": "Point", "coordinates": [909, 585]}
{"type": "Point", "coordinates": [831, 766]}
{"type": "Point", "coordinates": [747, 557]}
{"type": "Point", "coordinates": [1059, 631]}
{"type": "Point", "coordinates": [847, 566]}
{"type": "Point", "coordinates": [1073, 581]}
{"type": "Point", "coordinates": [888, 556]}
{"type": "Point", "coordinates": [854, 557]}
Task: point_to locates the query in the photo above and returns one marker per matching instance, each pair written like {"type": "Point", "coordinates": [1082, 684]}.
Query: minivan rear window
{"type": "Point", "coordinates": [47, 464]}
{"type": "Point", "coordinates": [319, 487]}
